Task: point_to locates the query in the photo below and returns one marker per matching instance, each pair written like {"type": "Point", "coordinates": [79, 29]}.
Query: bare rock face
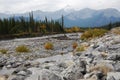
{"type": "Point", "coordinates": [72, 73]}
{"type": "Point", "coordinates": [99, 61]}
{"type": "Point", "coordinates": [75, 71]}
{"type": "Point", "coordinates": [43, 75]}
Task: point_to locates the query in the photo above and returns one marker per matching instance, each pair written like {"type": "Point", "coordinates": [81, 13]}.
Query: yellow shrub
{"type": "Point", "coordinates": [48, 46]}
{"type": "Point", "coordinates": [92, 33]}
{"type": "Point", "coordinates": [68, 30]}
{"type": "Point", "coordinates": [75, 29]}
{"type": "Point", "coordinates": [3, 51]}
{"type": "Point", "coordinates": [74, 45]}
{"type": "Point", "coordinates": [22, 48]}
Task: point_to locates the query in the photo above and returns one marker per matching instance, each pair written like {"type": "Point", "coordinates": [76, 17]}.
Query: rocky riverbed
{"type": "Point", "coordinates": [99, 61]}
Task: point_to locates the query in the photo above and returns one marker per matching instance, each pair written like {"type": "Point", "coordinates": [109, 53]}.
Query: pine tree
{"type": "Point", "coordinates": [62, 24]}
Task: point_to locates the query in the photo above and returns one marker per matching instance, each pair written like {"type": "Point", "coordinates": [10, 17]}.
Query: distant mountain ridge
{"type": "Point", "coordinates": [89, 17]}
{"type": "Point", "coordinates": [83, 18]}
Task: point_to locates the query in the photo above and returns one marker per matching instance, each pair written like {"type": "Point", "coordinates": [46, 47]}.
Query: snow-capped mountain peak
{"type": "Point", "coordinates": [68, 8]}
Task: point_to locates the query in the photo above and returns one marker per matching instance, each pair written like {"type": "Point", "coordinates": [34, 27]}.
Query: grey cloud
{"type": "Point", "coordinates": [51, 5]}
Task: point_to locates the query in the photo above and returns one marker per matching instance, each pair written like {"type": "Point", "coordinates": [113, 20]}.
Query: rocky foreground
{"type": "Point", "coordinates": [99, 61]}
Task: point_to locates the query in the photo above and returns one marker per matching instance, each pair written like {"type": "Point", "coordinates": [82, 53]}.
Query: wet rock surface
{"type": "Point", "coordinates": [99, 61]}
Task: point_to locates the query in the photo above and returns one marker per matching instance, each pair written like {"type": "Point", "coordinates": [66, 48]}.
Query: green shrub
{"type": "Point", "coordinates": [3, 51]}
{"type": "Point", "coordinates": [48, 46]}
{"type": "Point", "coordinates": [22, 48]}
{"type": "Point", "coordinates": [93, 33]}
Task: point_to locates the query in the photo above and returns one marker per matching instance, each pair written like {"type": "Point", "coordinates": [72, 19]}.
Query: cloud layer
{"type": "Point", "coordinates": [19, 6]}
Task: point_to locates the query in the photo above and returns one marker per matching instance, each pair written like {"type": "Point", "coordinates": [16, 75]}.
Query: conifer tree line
{"type": "Point", "coordinates": [111, 25]}
{"type": "Point", "coordinates": [22, 25]}
{"type": "Point", "coordinates": [107, 26]}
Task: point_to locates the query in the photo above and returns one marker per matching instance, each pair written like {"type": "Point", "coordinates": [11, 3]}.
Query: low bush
{"type": "Point", "coordinates": [48, 46]}
{"type": "Point", "coordinates": [22, 48]}
{"type": "Point", "coordinates": [74, 45]}
{"type": "Point", "coordinates": [92, 33]}
{"type": "Point", "coordinates": [80, 48]}
{"type": "Point", "coordinates": [3, 51]}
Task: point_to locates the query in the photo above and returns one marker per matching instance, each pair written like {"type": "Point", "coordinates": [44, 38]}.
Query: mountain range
{"type": "Point", "coordinates": [84, 18]}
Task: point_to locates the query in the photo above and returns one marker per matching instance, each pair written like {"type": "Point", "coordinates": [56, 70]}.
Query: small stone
{"type": "Point", "coordinates": [18, 78]}
{"type": "Point", "coordinates": [23, 73]}
{"type": "Point", "coordinates": [27, 64]}
{"type": "Point", "coordinates": [35, 64]}
{"type": "Point", "coordinates": [94, 77]}
{"type": "Point", "coordinates": [100, 75]}
{"type": "Point", "coordinates": [113, 76]}
{"type": "Point", "coordinates": [117, 66]}
{"type": "Point", "coordinates": [1, 65]}
{"type": "Point", "coordinates": [95, 46]}
{"type": "Point", "coordinates": [2, 77]}
{"type": "Point", "coordinates": [88, 75]}
{"type": "Point", "coordinates": [9, 66]}
{"type": "Point", "coordinates": [18, 70]}
{"type": "Point", "coordinates": [62, 65]}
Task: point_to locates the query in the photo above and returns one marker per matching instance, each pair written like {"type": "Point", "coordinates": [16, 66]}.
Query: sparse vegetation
{"type": "Point", "coordinates": [92, 33]}
{"type": "Point", "coordinates": [3, 51]}
{"type": "Point", "coordinates": [48, 46]}
{"type": "Point", "coordinates": [22, 48]}
{"type": "Point", "coordinates": [73, 29]}
{"type": "Point", "coordinates": [80, 48]}
{"type": "Point", "coordinates": [116, 30]}
{"type": "Point", "coordinates": [74, 45]}
{"type": "Point", "coordinates": [68, 30]}
{"type": "Point", "coordinates": [103, 68]}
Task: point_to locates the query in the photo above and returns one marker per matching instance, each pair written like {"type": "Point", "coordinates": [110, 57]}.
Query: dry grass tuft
{"type": "Point", "coordinates": [103, 68]}
{"type": "Point", "coordinates": [74, 45]}
{"type": "Point", "coordinates": [22, 48]}
{"type": "Point", "coordinates": [80, 49]}
{"type": "Point", "coordinates": [48, 46]}
{"type": "Point", "coordinates": [3, 51]}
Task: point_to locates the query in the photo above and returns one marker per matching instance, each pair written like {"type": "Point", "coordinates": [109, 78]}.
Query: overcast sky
{"type": "Point", "coordinates": [20, 6]}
